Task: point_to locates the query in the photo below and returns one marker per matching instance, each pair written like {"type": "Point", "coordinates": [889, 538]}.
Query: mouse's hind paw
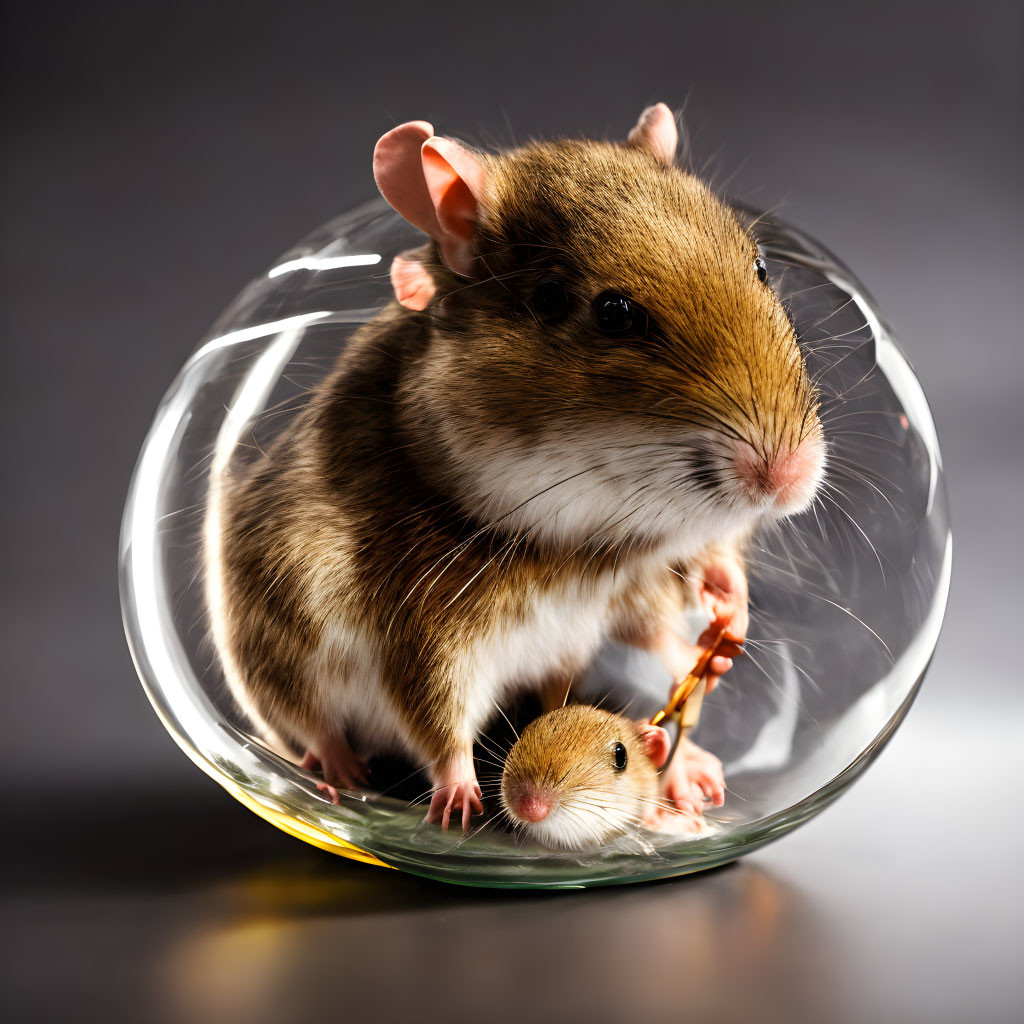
{"type": "Point", "coordinates": [694, 777]}
{"type": "Point", "coordinates": [341, 766]}
{"type": "Point", "coordinates": [457, 792]}
{"type": "Point", "coordinates": [704, 771]}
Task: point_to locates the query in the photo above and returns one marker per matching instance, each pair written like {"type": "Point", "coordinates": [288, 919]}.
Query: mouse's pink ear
{"type": "Point", "coordinates": [456, 181]}
{"type": "Point", "coordinates": [435, 184]}
{"type": "Point", "coordinates": [656, 132]}
{"type": "Point", "coordinates": [656, 743]}
{"type": "Point", "coordinates": [398, 171]}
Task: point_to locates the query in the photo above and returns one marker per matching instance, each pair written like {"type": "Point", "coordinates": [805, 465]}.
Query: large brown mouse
{"type": "Point", "coordinates": [584, 399]}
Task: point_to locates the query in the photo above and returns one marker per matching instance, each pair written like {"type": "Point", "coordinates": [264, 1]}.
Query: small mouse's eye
{"type": "Point", "coordinates": [613, 313]}
{"type": "Point", "coordinates": [550, 300]}
{"type": "Point", "coordinates": [619, 753]}
{"type": "Point", "coordinates": [762, 270]}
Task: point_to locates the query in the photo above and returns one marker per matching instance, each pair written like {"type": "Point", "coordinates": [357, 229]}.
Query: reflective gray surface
{"type": "Point", "coordinates": [148, 175]}
{"type": "Point", "coordinates": [208, 914]}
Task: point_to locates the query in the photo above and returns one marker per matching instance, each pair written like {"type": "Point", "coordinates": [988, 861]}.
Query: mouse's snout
{"type": "Point", "coordinates": [788, 477]}
{"type": "Point", "coordinates": [531, 803]}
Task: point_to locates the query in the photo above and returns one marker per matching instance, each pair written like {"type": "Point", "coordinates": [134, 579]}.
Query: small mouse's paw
{"type": "Point", "coordinates": [704, 771]}
{"type": "Point", "coordinates": [667, 817]}
{"type": "Point", "coordinates": [339, 764]}
{"type": "Point", "coordinates": [680, 791]}
{"type": "Point", "coordinates": [682, 823]}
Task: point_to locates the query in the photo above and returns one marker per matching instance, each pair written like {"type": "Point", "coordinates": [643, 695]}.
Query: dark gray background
{"type": "Point", "coordinates": [158, 156]}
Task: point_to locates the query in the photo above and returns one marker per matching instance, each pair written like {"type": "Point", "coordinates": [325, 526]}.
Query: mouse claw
{"type": "Point", "coordinates": [339, 764]}
{"type": "Point", "coordinates": [729, 649]}
{"type": "Point", "coordinates": [333, 795]}
{"type": "Point", "coordinates": [457, 793]}
{"type": "Point", "coordinates": [461, 797]}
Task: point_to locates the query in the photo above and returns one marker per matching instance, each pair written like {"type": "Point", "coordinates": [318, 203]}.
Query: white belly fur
{"type": "Point", "coordinates": [562, 633]}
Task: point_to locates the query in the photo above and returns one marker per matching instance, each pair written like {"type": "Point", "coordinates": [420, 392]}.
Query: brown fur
{"type": "Point", "coordinates": [358, 512]}
{"type": "Point", "coordinates": [612, 217]}
{"type": "Point", "coordinates": [569, 750]}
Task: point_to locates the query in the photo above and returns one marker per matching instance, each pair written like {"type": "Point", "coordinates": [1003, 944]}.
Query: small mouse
{"type": "Point", "coordinates": [579, 775]}
{"type": "Point", "coordinates": [583, 400]}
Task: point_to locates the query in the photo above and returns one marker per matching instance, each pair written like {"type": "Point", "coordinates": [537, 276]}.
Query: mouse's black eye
{"type": "Point", "coordinates": [550, 300]}
{"type": "Point", "coordinates": [762, 270]}
{"type": "Point", "coordinates": [613, 313]}
{"type": "Point", "coordinates": [619, 753]}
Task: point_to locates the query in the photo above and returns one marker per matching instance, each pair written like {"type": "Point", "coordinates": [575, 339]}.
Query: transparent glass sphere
{"type": "Point", "coordinates": [846, 599]}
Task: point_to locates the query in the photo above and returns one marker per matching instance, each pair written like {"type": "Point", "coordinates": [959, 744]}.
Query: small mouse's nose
{"type": "Point", "coordinates": [533, 805]}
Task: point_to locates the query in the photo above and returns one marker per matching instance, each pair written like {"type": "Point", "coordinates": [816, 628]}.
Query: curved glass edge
{"type": "Point", "coordinates": [759, 834]}
{"type": "Point", "coordinates": [783, 241]}
{"type": "Point", "coordinates": [197, 728]}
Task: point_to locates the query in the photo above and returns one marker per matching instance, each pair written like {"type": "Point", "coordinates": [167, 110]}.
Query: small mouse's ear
{"type": "Point", "coordinates": [656, 132]}
{"type": "Point", "coordinates": [413, 285]}
{"type": "Point", "coordinates": [656, 743]}
{"type": "Point", "coordinates": [456, 181]}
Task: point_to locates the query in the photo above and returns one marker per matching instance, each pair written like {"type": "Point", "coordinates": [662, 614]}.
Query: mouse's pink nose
{"type": "Point", "coordinates": [791, 478]}
{"type": "Point", "coordinates": [533, 805]}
